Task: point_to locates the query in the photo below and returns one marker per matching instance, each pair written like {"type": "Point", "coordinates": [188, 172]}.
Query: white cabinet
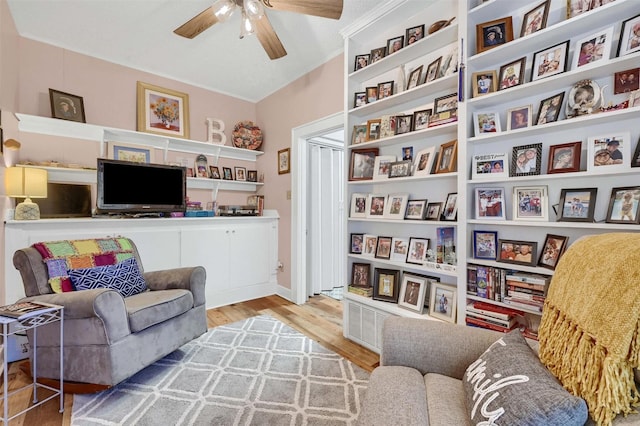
{"type": "Point", "coordinates": [239, 254]}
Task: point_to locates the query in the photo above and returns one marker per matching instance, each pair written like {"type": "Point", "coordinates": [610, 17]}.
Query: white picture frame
{"type": "Point", "coordinates": [602, 159]}
{"type": "Point", "coordinates": [490, 166]}
{"type": "Point", "coordinates": [396, 206]}
{"type": "Point", "coordinates": [519, 117]}
{"type": "Point", "coordinates": [369, 245]}
{"type": "Point", "coordinates": [593, 48]}
{"type": "Point", "coordinates": [423, 161]}
{"type": "Point", "coordinates": [490, 203]}
{"type": "Point", "coordinates": [381, 166]}
{"type": "Point", "coordinates": [358, 205]}
{"type": "Point", "coordinates": [399, 249]}
{"type": "Point", "coordinates": [375, 205]}
{"type": "Point", "coordinates": [629, 42]}
{"type": "Point", "coordinates": [486, 122]}
{"type": "Point", "coordinates": [531, 203]}
{"type": "Point", "coordinates": [442, 303]}
{"type": "Point", "coordinates": [412, 292]}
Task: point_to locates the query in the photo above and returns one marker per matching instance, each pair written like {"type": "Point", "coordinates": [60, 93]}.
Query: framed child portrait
{"type": "Point", "coordinates": [412, 292]}
{"type": "Point", "coordinates": [416, 209]}
{"type": "Point", "coordinates": [373, 129]}
{"type": "Point", "coordinates": [593, 48]}
{"type": "Point", "coordinates": [361, 275]}
{"type": "Point", "coordinates": [403, 124]}
{"type": "Point", "coordinates": [442, 303]}
{"type": "Point", "coordinates": [414, 78]}
{"type": "Point", "coordinates": [383, 249]}
{"type": "Point", "coordinates": [396, 206]}
{"type": "Point", "coordinates": [421, 119]}
{"type": "Point", "coordinates": [609, 153]}
{"type": "Point", "coordinates": [375, 205]}
{"type": "Point", "coordinates": [359, 99]}
{"type": "Point", "coordinates": [535, 19]}
{"type": "Point", "coordinates": [417, 253]}
{"type": "Point", "coordinates": [369, 245]}
{"type": "Point", "coordinates": [386, 285]}
{"type": "Point", "coordinates": [486, 122]}
{"type": "Point", "coordinates": [361, 61]}
{"type": "Point", "coordinates": [432, 70]}
{"type": "Point", "coordinates": [359, 134]}
{"type": "Point", "coordinates": [385, 89]}
{"type": "Point", "coordinates": [493, 33]}
{"type": "Point", "coordinates": [549, 109]}
{"type": "Point", "coordinates": [395, 44]}
{"type": "Point", "coordinates": [550, 61]}
{"type": "Point", "coordinates": [372, 94]}
{"type": "Point", "coordinates": [565, 157]}
{"type": "Point", "coordinates": [484, 82]}
{"type": "Point", "coordinates": [552, 249]}
{"type": "Point", "coordinates": [447, 157]}
{"type": "Point", "coordinates": [358, 205]}
{"type": "Point", "coordinates": [361, 164]}
{"type": "Point", "coordinates": [490, 166]}
{"type": "Point", "coordinates": [519, 117]}
{"type": "Point", "coordinates": [577, 205]}
{"type": "Point", "coordinates": [433, 211]}
{"type": "Point", "coordinates": [450, 211]}
{"type": "Point", "coordinates": [490, 203]}
{"type": "Point", "coordinates": [530, 203]}
{"type": "Point", "coordinates": [414, 34]}
{"type": "Point", "coordinates": [424, 160]}
{"type": "Point", "coordinates": [629, 36]}
{"type": "Point", "coordinates": [356, 243]}
{"type": "Point", "coordinates": [623, 205]}
{"type": "Point", "coordinates": [214, 172]}
{"type": "Point", "coordinates": [377, 54]}
{"type": "Point", "coordinates": [526, 159]}
{"type": "Point", "coordinates": [485, 245]}
{"type": "Point", "coordinates": [399, 249]}
{"type": "Point", "coordinates": [512, 74]}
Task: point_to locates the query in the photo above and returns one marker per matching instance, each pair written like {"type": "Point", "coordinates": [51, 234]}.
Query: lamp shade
{"type": "Point", "coordinates": [25, 182]}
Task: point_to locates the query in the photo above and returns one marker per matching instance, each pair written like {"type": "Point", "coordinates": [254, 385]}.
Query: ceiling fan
{"type": "Point", "coordinates": [254, 19]}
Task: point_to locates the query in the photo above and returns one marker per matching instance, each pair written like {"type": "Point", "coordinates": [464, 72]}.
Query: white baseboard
{"type": "Point", "coordinates": [284, 292]}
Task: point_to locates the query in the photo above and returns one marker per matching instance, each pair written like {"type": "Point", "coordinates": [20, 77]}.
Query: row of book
{"type": "Point", "coordinates": [499, 318]}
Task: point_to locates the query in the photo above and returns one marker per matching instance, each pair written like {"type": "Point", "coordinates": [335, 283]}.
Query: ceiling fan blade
{"type": "Point", "coordinates": [268, 38]}
{"type": "Point", "coordinates": [331, 9]}
{"type": "Point", "coordinates": [197, 24]}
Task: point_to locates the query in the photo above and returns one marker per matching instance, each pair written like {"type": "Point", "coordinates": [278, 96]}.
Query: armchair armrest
{"type": "Point", "coordinates": [189, 278]}
{"type": "Point", "coordinates": [433, 346]}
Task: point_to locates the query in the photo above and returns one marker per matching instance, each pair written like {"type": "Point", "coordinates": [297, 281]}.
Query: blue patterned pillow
{"type": "Point", "coordinates": [124, 277]}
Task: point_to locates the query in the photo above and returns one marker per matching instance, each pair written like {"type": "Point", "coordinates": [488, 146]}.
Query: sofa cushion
{"type": "Point", "coordinates": [445, 401]}
{"type": "Point", "coordinates": [509, 385]}
{"type": "Point", "coordinates": [153, 307]}
{"type": "Point", "coordinates": [124, 277]}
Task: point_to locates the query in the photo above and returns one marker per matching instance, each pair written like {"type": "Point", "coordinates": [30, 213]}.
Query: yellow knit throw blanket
{"type": "Point", "coordinates": [589, 333]}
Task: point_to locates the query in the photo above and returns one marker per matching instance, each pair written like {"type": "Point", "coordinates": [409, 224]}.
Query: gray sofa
{"type": "Point", "coordinates": [107, 337]}
{"type": "Point", "coordinates": [419, 381]}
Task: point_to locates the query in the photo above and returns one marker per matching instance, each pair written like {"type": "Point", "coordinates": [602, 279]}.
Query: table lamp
{"type": "Point", "coordinates": [26, 182]}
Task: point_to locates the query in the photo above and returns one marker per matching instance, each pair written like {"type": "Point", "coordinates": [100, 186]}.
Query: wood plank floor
{"type": "Point", "coordinates": [319, 319]}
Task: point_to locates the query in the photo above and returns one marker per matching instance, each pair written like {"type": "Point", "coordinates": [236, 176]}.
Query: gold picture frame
{"type": "Point", "coordinates": [284, 163]}
{"type": "Point", "coordinates": [162, 111]}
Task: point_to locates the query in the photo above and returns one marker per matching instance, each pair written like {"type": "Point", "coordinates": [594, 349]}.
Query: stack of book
{"type": "Point", "coordinates": [493, 317]}
{"type": "Point", "coordinates": [526, 291]}
{"type": "Point", "coordinates": [362, 291]}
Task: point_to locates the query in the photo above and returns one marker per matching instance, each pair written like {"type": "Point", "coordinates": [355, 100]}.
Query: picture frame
{"type": "Point", "coordinates": [577, 204]}
{"type": "Point", "coordinates": [361, 275]}
{"type": "Point", "coordinates": [284, 161]}
{"type": "Point", "coordinates": [382, 166]}
{"type": "Point", "coordinates": [512, 74]}
{"type": "Point", "coordinates": [517, 252]}
{"type": "Point", "coordinates": [403, 124]}
{"type": "Point", "coordinates": [552, 249]}
{"type": "Point", "coordinates": [634, 99]}
{"type": "Point", "coordinates": [395, 44]}
{"type": "Point", "coordinates": [377, 54]}
{"type": "Point", "coordinates": [361, 163]}
{"type": "Point", "coordinates": [370, 242]}
{"type": "Point", "coordinates": [585, 97]}
{"type": "Point", "coordinates": [66, 106]}
{"type": "Point", "coordinates": [373, 129]}
{"type": "Point", "coordinates": [252, 175]}
{"type": "Point", "coordinates": [432, 70]}
{"type": "Point", "coordinates": [490, 203]}
{"type": "Point", "coordinates": [413, 291]}
{"type": "Point", "coordinates": [227, 173]}
{"type": "Point", "coordinates": [414, 34]}
{"type": "Point", "coordinates": [386, 285]}
{"type": "Point", "coordinates": [490, 166]}
{"type": "Point", "coordinates": [624, 205]}
{"type": "Point", "coordinates": [214, 172]}
{"type": "Point", "coordinates": [361, 61]}
{"type": "Point", "coordinates": [383, 248]}
{"type": "Point", "coordinates": [609, 153]}
{"type": "Point", "coordinates": [130, 152]}
{"type": "Point", "coordinates": [396, 206]}
{"type": "Point", "coordinates": [359, 134]}
{"type": "Point", "coordinates": [417, 252]}
{"type": "Point", "coordinates": [531, 203]}
{"type": "Point", "coordinates": [434, 211]}
{"type": "Point", "coordinates": [629, 41]}
{"type": "Point", "coordinates": [421, 119]}
{"type": "Point", "coordinates": [486, 122]}
{"type": "Point", "coordinates": [372, 94]}
{"type": "Point", "coordinates": [519, 117]}
{"type": "Point", "coordinates": [445, 103]}
{"type": "Point", "coordinates": [414, 78]}
{"type": "Point", "coordinates": [627, 80]}
{"type": "Point", "coordinates": [449, 63]}
{"type": "Point", "coordinates": [593, 48]}
{"type": "Point", "coordinates": [162, 111]}
{"type": "Point", "coordinates": [240, 173]}
{"type": "Point", "coordinates": [190, 172]}
{"type": "Point", "coordinates": [358, 205]}
{"type": "Point", "coordinates": [549, 109]}
{"type": "Point", "coordinates": [564, 157]}
{"type": "Point", "coordinates": [447, 157]}
{"type": "Point", "coordinates": [385, 89]}
{"type": "Point", "coordinates": [399, 248]}
{"type": "Point", "coordinates": [375, 205]}
{"type": "Point", "coordinates": [359, 99]}
{"type": "Point", "coordinates": [450, 211]}
{"type": "Point", "coordinates": [493, 33]}
{"type": "Point", "coordinates": [635, 160]}
{"type": "Point", "coordinates": [526, 160]}
{"type": "Point", "coordinates": [485, 244]}
{"type": "Point", "coordinates": [416, 209]}
{"type": "Point", "coordinates": [577, 7]}
{"type": "Point", "coordinates": [484, 82]}
{"type": "Point", "coordinates": [535, 19]}
{"type": "Point", "coordinates": [356, 245]}
{"type": "Point", "coordinates": [407, 153]}
{"type": "Point", "coordinates": [424, 160]}
{"type": "Point", "coordinates": [400, 168]}
{"type": "Point", "coordinates": [550, 61]}
{"type": "Point", "coordinates": [387, 126]}
{"type": "Point", "coordinates": [443, 301]}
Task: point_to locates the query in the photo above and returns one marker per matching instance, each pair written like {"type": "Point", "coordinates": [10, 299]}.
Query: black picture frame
{"type": "Point", "coordinates": [227, 173]}
{"type": "Point", "coordinates": [386, 285]}
{"type": "Point", "coordinates": [400, 169]}
{"type": "Point", "coordinates": [526, 160]}
{"type": "Point", "coordinates": [445, 103]}
{"type": "Point", "coordinates": [511, 251]}
{"type": "Point", "coordinates": [550, 61]}
{"type": "Point", "coordinates": [395, 44]}
{"type": "Point", "coordinates": [359, 99]}
{"type": "Point", "coordinates": [383, 249]}
{"type": "Point", "coordinates": [421, 119]}
{"type": "Point", "coordinates": [357, 240]}
{"type": "Point", "coordinates": [572, 204]}
{"type": "Point", "coordinates": [635, 160]}
{"type": "Point", "coordinates": [361, 61]}
{"type": "Point", "coordinates": [385, 89]}
{"type": "Point", "coordinates": [404, 124]}
{"type": "Point", "coordinates": [549, 109]}
{"type": "Point", "coordinates": [485, 245]}
{"type": "Point", "coordinates": [214, 172]}
{"type": "Point", "coordinates": [535, 19]}
{"type": "Point", "coordinates": [252, 175]}
{"type": "Point", "coordinates": [624, 202]}
{"type": "Point", "coordinates": [66, 106]}
{"type": "Point", "coordinates": [512, 74]}
{"type": "Point", "coordinates": [414, 34]}
{"type": "Point", "coordinates": [552, 249]}
{"type": "Point", "coordinates": [416, 209]}
{"type": "Point", "coordinates": [377, 54]}
{"type": "Point", "coordinates": [417, 251]}
{"type": "Point", "coordinates": [361, 275]}
{"type": "Point", "coordinates": [414, 78]}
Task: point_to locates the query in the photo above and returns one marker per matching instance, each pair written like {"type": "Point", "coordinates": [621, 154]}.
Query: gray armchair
{"type": "Point", "coordinates": [107, 337]}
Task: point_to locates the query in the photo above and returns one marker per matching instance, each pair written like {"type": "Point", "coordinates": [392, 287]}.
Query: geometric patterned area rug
{"type": "Point", "coordinates": [253, 372]}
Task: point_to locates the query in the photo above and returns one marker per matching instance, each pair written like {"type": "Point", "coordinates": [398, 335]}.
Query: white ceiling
{"type": "Point", "coordinates": [139, 34]}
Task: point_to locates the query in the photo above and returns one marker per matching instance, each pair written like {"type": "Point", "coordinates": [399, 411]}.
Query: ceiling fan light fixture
{"type": "Point", "coordinates": [223, 9]}
{"type": "Point", "coordinates": [254, 8]}
{"type": "Point", "coordinates": [246, 27]}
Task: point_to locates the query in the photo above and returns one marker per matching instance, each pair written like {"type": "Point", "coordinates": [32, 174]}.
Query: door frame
{"type": "Point", "coordinates": [299, 181]}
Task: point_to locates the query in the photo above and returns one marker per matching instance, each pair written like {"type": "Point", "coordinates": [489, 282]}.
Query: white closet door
{"type": "Point", "coordinates": [315, 221]}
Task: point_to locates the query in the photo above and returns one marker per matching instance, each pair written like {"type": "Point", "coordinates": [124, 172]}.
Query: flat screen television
{"type": "Point", "coordinates": [127, 187]}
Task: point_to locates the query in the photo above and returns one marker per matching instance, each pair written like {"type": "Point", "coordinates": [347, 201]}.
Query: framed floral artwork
{"type": "Point", "coordinates": [129, 152]}
{"type": "Point", "coordinates": [162, 111]}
